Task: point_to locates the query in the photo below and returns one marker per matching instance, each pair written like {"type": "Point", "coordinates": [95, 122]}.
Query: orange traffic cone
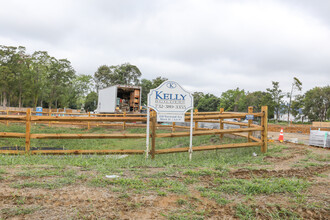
{"type": "Point", "coordinates": [280, 138]}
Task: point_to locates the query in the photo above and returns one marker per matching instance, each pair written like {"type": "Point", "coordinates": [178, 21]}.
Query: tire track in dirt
{"type": "Point", "coordinates": [93, 203]}
{"type": "Point", "coordinates": [293, 172]}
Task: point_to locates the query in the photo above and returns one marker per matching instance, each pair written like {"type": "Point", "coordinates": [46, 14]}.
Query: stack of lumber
{"type": "Point", "coordinates": [319, 138]}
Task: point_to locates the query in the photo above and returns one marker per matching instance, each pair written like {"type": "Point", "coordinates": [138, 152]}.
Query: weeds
{"type": "Point", "coordinates": [215, 196]}
{"type": "Point", "coordinates": [47, 172]}
{"type": "Point", "coordinates": [57, 183]}
{"type": "Point", "coordinates": [161, 193]}
{"type": "Point", "coordinates": [181, 202]}
{"type": "Point", "coordinates": [261, 186]}
{"type": "Point", "coordinates": [204, 172]}
{"type": "Point", "coordinates": [244, 212]}
{"type": "Point", "coordinates": [11, 212]}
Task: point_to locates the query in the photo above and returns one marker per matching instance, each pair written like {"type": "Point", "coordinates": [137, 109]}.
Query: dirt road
{"type": "Point", "coordinates": [302, 138]}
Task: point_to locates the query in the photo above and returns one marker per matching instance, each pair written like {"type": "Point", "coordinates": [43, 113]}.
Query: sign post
{"type": "Point", "coordinates": [171, 102]}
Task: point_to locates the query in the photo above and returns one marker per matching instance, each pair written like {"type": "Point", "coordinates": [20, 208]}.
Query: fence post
{"type": "Point", "coordinates": [221, 122]}
{"type": "Point", "coordinates": [173, 127]}
{"type": "Point", "coordinates": [250, 110]}
{"type": "Point", "coordinates": [196, 122]}
{"type": "Point", "coordinates": [264, 119]}
{"type": "Point", "coordinates": [153, 135]}
{"type": "Point", "coordinates": [49, 114]}
{"type": "Point", "coordinates": [88, 123]}
{"type": "Point", "coordinates": [28, 130]}
{"type": "Point", "coordinates": [124, 124]}
{"type": "Point", "coordinates": [7, 122]}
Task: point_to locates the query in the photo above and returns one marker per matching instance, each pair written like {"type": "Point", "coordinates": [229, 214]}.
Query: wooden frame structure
{"type": "Point", "coordinates": [124, 120]}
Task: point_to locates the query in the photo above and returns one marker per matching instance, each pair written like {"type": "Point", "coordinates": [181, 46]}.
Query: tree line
{"type": "Point", "coordinates": [313, 104]}
{"type": "Point", "coordinates": [38, 79]}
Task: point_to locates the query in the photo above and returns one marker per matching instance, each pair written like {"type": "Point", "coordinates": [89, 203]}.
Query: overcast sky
{"type": "Point", "coordinates": [208, 46]}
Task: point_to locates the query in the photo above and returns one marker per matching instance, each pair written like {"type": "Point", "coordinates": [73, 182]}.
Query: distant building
{"type": "Point", "coordinates": [284, 116]}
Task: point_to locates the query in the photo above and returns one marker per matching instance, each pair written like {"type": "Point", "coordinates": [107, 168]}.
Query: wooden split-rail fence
{"type": "Point", "coordinates": [136, 120]}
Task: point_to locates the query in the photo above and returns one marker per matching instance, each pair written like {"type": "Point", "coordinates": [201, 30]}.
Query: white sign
{"type": "Point", "coordinates": [170, 117]}
{"type": "Point", "coordinates": [171, 102]}
{"type": "Point", "coordinates": [170, 97]}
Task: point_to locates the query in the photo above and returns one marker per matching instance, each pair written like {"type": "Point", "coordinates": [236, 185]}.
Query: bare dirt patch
{"type": "Point", "coordinates": [294, 172]}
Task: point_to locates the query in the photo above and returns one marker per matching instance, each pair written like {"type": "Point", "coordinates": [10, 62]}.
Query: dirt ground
{"type": "Point", "coordinates": [289, 137]}
{"type": "Point", "coordinates": [295, 128]}
{"type": "Point", "coordinates": [82, 201]}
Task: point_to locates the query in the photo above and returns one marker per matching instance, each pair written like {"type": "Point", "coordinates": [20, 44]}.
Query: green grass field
{"type": "Point", "coordinates": [229, 183]}
{"type": "Point", "coordinates": [84, 144]}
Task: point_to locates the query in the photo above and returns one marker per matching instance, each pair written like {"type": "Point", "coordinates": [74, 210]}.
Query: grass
{"type": "Point", "coordinates": [170, 177]}
{"type": "Point", "coordinates": [277, 150]}
{"type": "Point", "coordinates": [215, 196]}
{"type": "Point", "coordinates": [161, 193]}
{"type": "Point", "coordinates": [2, 171]}
{"type": "Point", "coordinates": [313, 160]}
{"type": "Point", "coordinates": [186, 210]}
{"type": "Point", "coordinates": [269, 186]}
{"type": "Point", "coordinates": [52, 184]}
{"type": "Point", "coordinates": [181, 202]}
{"type": "Point", "coordinates": [208, 159]}
{"type": "Point", "coordinates": [261, 186]}
{"type": "Point", "coordinates": [11, 212]}
{"type": "Point", "coordinates": [161, 143]}
{"type": "Point", "coordinates": [177, 187]}
{"type": "Point", "coordinates": [70, 143]}
{"type": "Point", "coordinates": [271, 211]}
{"type": "Point", "coordinates": [205, 172]}
{"type": "Point", "coordinates": [211, 159]}
{"type": "Point", "coordinates": [244, 212]}
{"type": "Point", "coordinates": [318, 157]}
{"type": "Point", "coordinates": [47, 172]}
{"type": "Point", "coordinates": [161, 186]}
{"type": "Point", "coordinates": [121, 182]}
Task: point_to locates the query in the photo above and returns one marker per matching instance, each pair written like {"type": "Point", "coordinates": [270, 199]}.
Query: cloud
{"type": "Point", "coordinates": [208, 46]}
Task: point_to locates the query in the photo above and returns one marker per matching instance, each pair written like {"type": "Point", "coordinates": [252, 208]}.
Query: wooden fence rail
{"type": "Point", "coordinates": [124, 120]}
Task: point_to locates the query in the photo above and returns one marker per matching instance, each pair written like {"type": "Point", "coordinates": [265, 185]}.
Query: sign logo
{"type": "Point", "coordinates": [170, 101]}
{"type": "Point", "coordinates": [171, 85]}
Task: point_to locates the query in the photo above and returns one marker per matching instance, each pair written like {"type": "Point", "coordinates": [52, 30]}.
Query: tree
{"type": "Point", "coordinates": [296, 85]}
{"type": "Point", "coordinates": [258, 99]}
{"type": "Point", "coordinates": [59, 81]}
{"type": "Point", "coordinates": [91, 101]}
{"type": "Point", "coordinates": [7, 77]}
{"type": "Point", "coordinates": [125, 74]}
{"type": "Point", "coordinates": [27, 80]}
{"type": "Point", "coordinates": [17, 61]}
{"type": "Point", "coordinates": [233, 100]}
{"type": "Point", "coordinates": [39, 70]}
{"type": "Point", "coordinates": [147, 85]}
{"type": "Point", "coordinates": [22, 74]}
{"type": "Point", "coordinates": [297, 106]}
{"type": "Point", "coordinates": [102, 77]}
{"type": "Point", "coordinates": [316, 103]}
{"type": "Point", "coordinates": [277, 97]}
{"type": "Point", "coordinates": [197, 97]}
{"type": "Point", "coordinates": [80, 87]}
{"type": "Point", "coordinates": [8, 64]}
{"type": "Point", "coordinates": [208, 102]}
